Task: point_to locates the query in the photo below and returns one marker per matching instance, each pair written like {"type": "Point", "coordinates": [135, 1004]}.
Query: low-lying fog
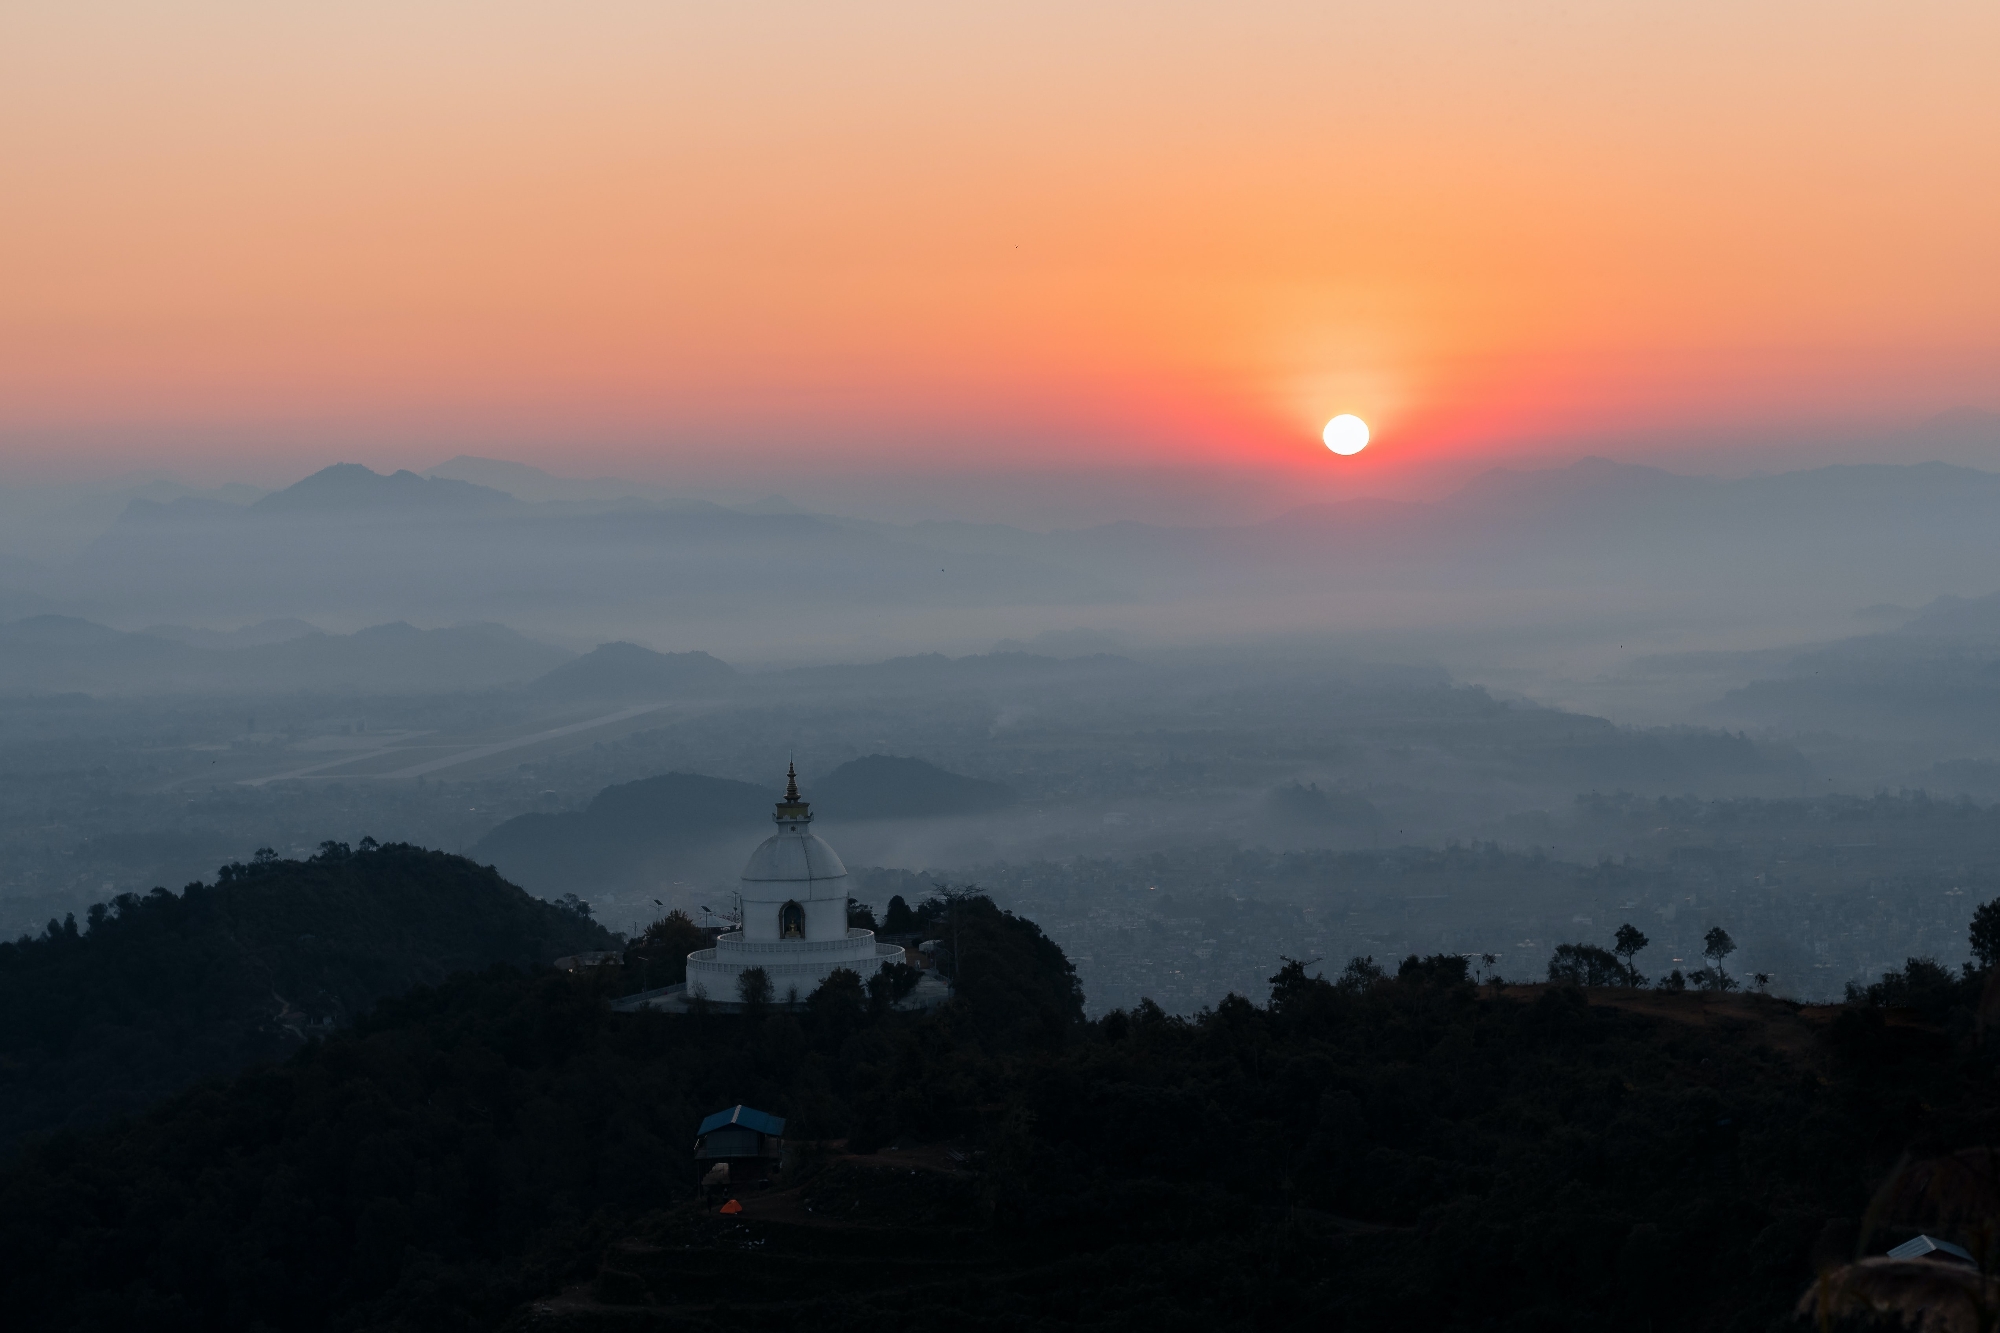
{"type": "Point", "coordinates": [1524, 714]}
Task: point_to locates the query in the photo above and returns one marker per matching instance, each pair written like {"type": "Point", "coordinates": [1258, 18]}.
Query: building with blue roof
{"type": "Point", "coordinates": [748, 1117]}
{"type": "Point", "coordinates": [749, 1144]}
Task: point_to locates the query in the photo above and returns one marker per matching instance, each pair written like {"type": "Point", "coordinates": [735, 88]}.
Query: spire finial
{"type": "Point", "coordinates": [792, 812]}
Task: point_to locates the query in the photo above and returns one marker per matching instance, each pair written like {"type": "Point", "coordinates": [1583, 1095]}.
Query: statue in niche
{"type": "Point", "coordinates": [791, 922]}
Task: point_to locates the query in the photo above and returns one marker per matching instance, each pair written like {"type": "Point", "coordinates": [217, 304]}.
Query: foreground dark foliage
{"type": "Point", "coordinates": [155, 992]}
{"type": "Point", "coordinates": [1372, 1152]}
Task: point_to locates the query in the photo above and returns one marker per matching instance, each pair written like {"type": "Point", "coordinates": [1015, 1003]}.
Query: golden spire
{"type": "Point", "coordinates": [793, 807]}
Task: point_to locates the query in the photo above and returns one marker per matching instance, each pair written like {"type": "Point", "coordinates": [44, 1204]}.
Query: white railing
{"type": "Point", "coordinates": [864, 954]}
{"type": "Point", "coordinates": [776, 971]}
{"type": "Point", "coordinates": [733, 943]}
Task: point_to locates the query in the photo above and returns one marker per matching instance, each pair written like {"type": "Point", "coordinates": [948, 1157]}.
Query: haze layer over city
{"type": "Point", "coordinates": [1536, 705]}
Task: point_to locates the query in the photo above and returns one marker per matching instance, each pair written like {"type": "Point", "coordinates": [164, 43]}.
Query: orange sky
{"type": "Point", "coordinates": [715, 241]}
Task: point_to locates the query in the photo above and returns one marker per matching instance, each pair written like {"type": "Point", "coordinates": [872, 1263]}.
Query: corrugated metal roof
{"type": "Point", "coordinates": [747, 1117]}
{"type": "Point", "coordinates": [1925, 1246]}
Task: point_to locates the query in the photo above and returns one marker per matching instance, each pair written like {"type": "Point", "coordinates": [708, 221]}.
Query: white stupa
{"type": "Point", "coordinates": [793, 900]}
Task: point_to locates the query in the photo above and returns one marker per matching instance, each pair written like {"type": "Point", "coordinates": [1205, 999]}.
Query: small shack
{"type": "Point", "coordinates": [749, 1142]}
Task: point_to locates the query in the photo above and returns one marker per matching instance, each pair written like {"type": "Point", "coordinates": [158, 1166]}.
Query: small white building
{"type": "Point", "coordinates": [793, 924]}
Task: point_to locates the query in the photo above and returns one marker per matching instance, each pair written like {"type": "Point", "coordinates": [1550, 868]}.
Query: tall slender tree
{"type": "Point", "coordinates": [1627, 944]}
{"type": "Point", "coordinates": [1716, 946]}
{"type": "Point", "coordinates": [1986, 933]}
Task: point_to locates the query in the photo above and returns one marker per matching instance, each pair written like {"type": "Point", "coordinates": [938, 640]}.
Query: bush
{"type": "Point", "coordinates": [1923, 985]}
{"type": "Point", "coordinates": [1586, 965]}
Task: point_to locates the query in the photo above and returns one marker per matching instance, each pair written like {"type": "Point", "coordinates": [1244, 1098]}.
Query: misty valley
{"type": "Point", "coordinates": [1178, 812]}
{"type": "Point", "coordinates": [1593, 832]}
{"type": "Point", "coordinates": [1250, 667]}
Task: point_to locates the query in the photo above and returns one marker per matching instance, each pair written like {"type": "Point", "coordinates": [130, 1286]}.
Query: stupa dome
{"type": "Point", "coordinates": [793, 865]}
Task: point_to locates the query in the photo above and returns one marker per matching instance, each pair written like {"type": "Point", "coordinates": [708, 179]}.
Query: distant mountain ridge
{"type": "Point", "coordinates": [628, 672]}
{"type": "Point", "coordinates": [880, 786]}
{"type": "Point", "coordinates": [973, 669]}
{"type": "Point", "coordinates": [1597, 537]}
{"type": "Point", "coordinates": [1933, 678]}
{"type": "Point", "coordinates": [631, 834]}
{"type": "Point", "coordinates": [636, 834]}
{"type": "Point", "coordinates": [348, 543]}
{"type": "Point", "coordinates": [348, 488]}
{"type": "Point", "coordinates": [535, 486]}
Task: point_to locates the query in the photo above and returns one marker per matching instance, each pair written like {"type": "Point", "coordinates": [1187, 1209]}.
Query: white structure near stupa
{"type": "Point", "coordinates": [793, 922]}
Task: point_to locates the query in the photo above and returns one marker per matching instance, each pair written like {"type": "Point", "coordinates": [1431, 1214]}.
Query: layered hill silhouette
{"type": "Point", "coordinates": [1934, 678]}
{"type": "Point", "coordinates": [351, 544]}
{"type": "Point", "coordinates": [880, 786]}
{"type": "Point", "coordinates": [642, 833]}
{"type": "Point", "coordinates": [347, 488]}
{"type": "Point", "coordinates": [636, 833]}
{"type": "Point", "coordinates": [348, 543]}
{"type": "Point", "coordinates": [152, 993]}
{"type": "Point", "coordinates": [626, 671]}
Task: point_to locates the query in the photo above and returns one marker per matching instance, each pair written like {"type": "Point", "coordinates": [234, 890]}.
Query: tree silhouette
{"type": "Point", "coordinates": [1359, 974]}
{"type": "Point", "coordinates": [1716, 946]}
{"type": "Point", "coordinates": [1986, 933]}
{"type": "Point", "coordinates": [837, 1002]}
{"type": "Point", "coordinates": [1584, 965]}
{"type": "Point", "coordinates": [1627, 944]}
{"type": "Point", "coordinates": [753, 987]}
{"type": "Point", "coordinates": [659, 956]}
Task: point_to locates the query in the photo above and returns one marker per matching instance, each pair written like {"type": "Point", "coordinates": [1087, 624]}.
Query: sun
{"type": "Point", "coordinates": [1346, 434]}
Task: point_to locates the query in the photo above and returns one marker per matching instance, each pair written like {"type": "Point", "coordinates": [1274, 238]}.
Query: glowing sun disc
{"type": "Point", "coordinates": [1346, 434]}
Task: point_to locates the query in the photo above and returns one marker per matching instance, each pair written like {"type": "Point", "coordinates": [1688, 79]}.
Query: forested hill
{"type": "Point", "coordinates": [155, 992]}
{"type": "Point", "coordinates": [632, 833]}
{"type": "Point", "coordinates": [1369, 1151]}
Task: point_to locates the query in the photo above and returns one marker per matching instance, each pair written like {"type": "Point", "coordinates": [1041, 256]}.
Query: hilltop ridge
{"type": "Point", "coordinates": [154, 992]}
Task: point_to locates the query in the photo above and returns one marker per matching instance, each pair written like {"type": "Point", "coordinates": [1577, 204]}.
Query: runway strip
{"type": "Point", "coordinates": [463, 757]}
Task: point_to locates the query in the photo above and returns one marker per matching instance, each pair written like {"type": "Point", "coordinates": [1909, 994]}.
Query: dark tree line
{"type": "Point", "coordinates": [1556, 1163]}
{"type": "Point", "coordinates": [155, 991]}
{"type": "Point", "coordinates": [1591, 965]}
{"type": "Point", "coordinates": [1390, 1147]}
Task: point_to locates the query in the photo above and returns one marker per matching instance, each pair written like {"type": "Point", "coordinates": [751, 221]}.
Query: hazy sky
{"type": "Point", "coordinates": [758, 239]}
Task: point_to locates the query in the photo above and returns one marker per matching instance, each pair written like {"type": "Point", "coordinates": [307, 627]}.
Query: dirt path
{"type": "Point", "coordinates": [1783, 1025]}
